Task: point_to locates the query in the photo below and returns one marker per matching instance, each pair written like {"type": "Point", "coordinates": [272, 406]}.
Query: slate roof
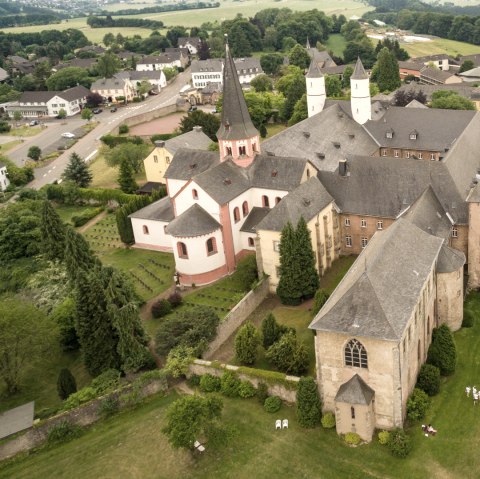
{"type": "Point", "coordinates": [417, 66]}
{"type": "Point", "coordinates": [429, 215]}
{"type": "Point", "coordinates": [192, 40]}
{"type": "Point", "coordinates": [324, 139]}
{"type": "Point", "coordinates": [373, 300]}
{"type": "Point", "coordinates": [322, 58]}
{"type": "Point", "coordinates": [108, 84]}
{"type": "Point", "coordinates": [187, 163]}
{"type": "Point", "coordinates": [314, 70]}
{"type": "Point", "coordinates": [255, 216]}
{"type": "Point", "coordinates": [224, 181]}
{"type": "Point", "coordinates": [436, 74]}
{"type": "Point", "coordinates": [438, 56]}
{"type": "Point", "coordinates": [210, 65]}
{"type": "Point", "coordinates": [335, 70]}
{"type": "Point", "coordinates": [276, 172]}
{"type": "Point", "coordinates": [416, 104]}
{"type": "Point", "coordinates": [474, 196]}
{"type": "Point", "coordinates": [195, 139]}
{"type": "Point", "coordinates": [474, 72]}
{"type": "Point", "coordinates": [306, 200]}
{"type": "Point", "coordinates": [77, 62]}
{"type": "Point", "coordinates": [359, 72]}
{"type": "Point", "coordinates": [355, 391]}
{"type": "Point", "coordinates": [236, 123]}
{"type": "Point", "coordinates": [139, 75]}
{"type": "Point", "coordinates": [383, 186]}
{"type": "Point", "coordinates": [149, 186]}
{"type": "Point", "coordinates": [193, 222]}
{"type": "Point", "coordinates": [160, 210]}
{"type": "Point", "coordinates": [475, 58]}
{"type": "Point", "coordinates": [450, 260]}
{"type": "Point", "coordinates": [463, 89]}
{"type": "Point", "coordinates": [74, 93]}
{"type": "Point", "coordinates": [437, 129]}
{"type": "Point", "coordinates": [159, 59]}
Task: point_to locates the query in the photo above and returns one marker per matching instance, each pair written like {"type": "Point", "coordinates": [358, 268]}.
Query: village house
{"type": "Point", "coordinates": [156, 78]}
{"type": "Point", "coordinates": [37, 104]}
{"type": "Point", "coordinates": [434, 76]}
{"type": "Point", "coordinates": [192, 44]}
{"type": "Point", "coordinates": [114, 90]}
{"type": "Point", "coordinates": [166, 60]}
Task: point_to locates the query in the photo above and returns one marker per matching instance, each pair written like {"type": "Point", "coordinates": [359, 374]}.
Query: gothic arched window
{"type": "Point", "coordinates": [355, 354]}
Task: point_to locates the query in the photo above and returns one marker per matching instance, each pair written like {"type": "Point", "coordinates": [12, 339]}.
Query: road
{"type": "Point", "coordinates": [87, 147]}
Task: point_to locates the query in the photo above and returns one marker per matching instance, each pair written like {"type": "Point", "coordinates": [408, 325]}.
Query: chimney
{"type": "Point", "coordinates": [197, 128]}
{"type": "Point", "coordinates": [342, 167]}
{"type": "Point", "coordinates": [160, 144]}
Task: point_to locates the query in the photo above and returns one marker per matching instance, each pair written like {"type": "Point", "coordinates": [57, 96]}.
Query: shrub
{"type": "Point", "coordinates": [230, 384]}
{"type": "Point", "coordinates": [417, 405]}
{"type": "Point", "coordinates": [210, 383]}
{"type": "Point", "coordinates": [309, 409]}
{"type": "Point", "coordinates": [246, 389]}
{"type": "Point", "coordinates": [179, 360]}
{"type": "Point", "coordinates": [161, 308]}
{"type": "Point", "coordinates": [84, 395]}
{"type": "Point", "coordinates": [246, 343]}
{"type": "Point", "coordinates": [175, 300]}
{"type": "Point", "coordinates": [194, 381]}
{"type": "Point", "coordinates": [63, 431]}
{"type": "Point", "coordinates": [352, 438]}
{"type": "Point", "coordinates": [328, 420]}
{"type": "Point", "coordinates": [108, 381]}
{"type": "Point", "coordinates": [429, 379]}
{"type": "Point", "coordinates": [468, 319]}
{"type": "Point", "coordinates": [112, 140]}
{"type": "Point", "coordinates": [288, 355]}
{"type": "Point", "coordinates": [108, 407]}
{"type": "Point", "coordinates": [319, 300]}
{"type": "Point", "coordinates": [66, 384]}
{"type": "Point", "coordinates": [161, 137]}
{"type": "Point", "coordinates": [272, 404]}
{"type": "Point", "coordinates": [80, 220]}
{"type": "Point", "coordinates": [122, 129]}
{"type": "Point", "coordinates": [262, 392]}
{"type": "Point", "coordinates": [247, 272]}
{"type": "Point", "coordinates": [383, 437]}
{"type": "Point", "coordinates": [399, 443]}
{"type": "Point", "coordinates": [442, 351]}
{"type": "Point", "coordinates": [270, 331]}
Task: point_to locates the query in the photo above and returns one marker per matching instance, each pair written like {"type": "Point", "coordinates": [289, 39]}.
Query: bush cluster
{"type": "Point", "coordinates": [122, 129]}
{"type": "Point", "coordinates": [113, 140]}
{"type": "Point", "coordinates": [442, 351]}
{"type": "Point", "coordinates": [108, 407]}
{"type": "Point", "coordinates": [85, 217]}
{"type": "Point", "coordinates": [417, 405]}
{"type": "Point", "coordinates": [328, 420]}
{"type": "Point", "coordinates": [399, 443]}
{"type": "Point", "coordinates": [319, 300]}
{"type": "Point", "coordinates": [272, 404]}
{"type": "Point", "coordinates": [352, 438]}
{"type": "Point", "coordinates": [209, 383]}
{"type": "Point", "coordinates": [63, 431]}
{"type": "Point", "coordinates": [288, 354]}
{"type": "Point", "coordinates": [247, 272]}
{"type": "Point", "coordinates": [429, 379]}
{"type": "Point", "coordinates": [246, 390]}
{"type": "Point", "coordinates": [309, 411]}
{"type": "Point", "coordinates": [230, 384]}
{"type": "Point", "coordinates": [175, 299]}
{"type": "Point", "coordinates": [383, 437]}
{"type": "Point", "coordinates": [161, 308]}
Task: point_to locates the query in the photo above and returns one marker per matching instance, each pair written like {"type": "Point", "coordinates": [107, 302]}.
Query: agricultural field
{"type": "Point", "coordinates": [440, 45]}
{"type": "Point", "coordinates": [131, 444]}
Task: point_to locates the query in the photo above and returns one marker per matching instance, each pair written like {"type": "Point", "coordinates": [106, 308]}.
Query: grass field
{"type": "Point", "coordinates": [105, 176]}
{"type": "Point", "coordinates": [336, 43]}
{"type": "Point", "coordinates": [132, 445]}
{"type": "Point", "coordinates": [24, 131]}
{"type": "Point", "coordinates": [4, 147]}
{"type": "Point", "coordinates": [440, 45]}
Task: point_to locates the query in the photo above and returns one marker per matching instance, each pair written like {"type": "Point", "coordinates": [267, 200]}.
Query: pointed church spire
{"type": "Point", "coordinates": [236, 123]}
{"type": "Point", "coordinates": [314, 70]}
{"type": "Point", "coordinates": [359, 73]}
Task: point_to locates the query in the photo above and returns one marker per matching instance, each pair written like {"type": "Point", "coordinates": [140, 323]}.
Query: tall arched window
{"type": "Point", "coordinates": [145, 230]}
{"type": "Point", "coordinates": [236, 214]}
{"type": "Point", "coordinates": [211, 246]}
{"type": "Point", "coordinates": [355, 354]}
{"type": "Point", "coordinates": [195, 194]}
{"type": "Point", "coordinates": [265, 202]}
{"type": "Point", "coordinates": [245, 209]}
{"type": "Point", "coordinates": [277, 200]}
{"type": "Point", "coordinates": [182, 250]}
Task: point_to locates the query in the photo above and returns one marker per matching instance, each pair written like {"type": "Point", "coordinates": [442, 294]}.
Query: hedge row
{"type": "Point", "coordinates": [85, 217]}
{"type": "Point", "coordinates": [113, 140]}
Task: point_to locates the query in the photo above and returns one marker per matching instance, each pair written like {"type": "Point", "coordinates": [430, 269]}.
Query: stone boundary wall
{"type": "Point", "coordinates": [83, 415]}
{"type": "Point", "coordinates": [148, 116]}
{"type": "Point", "coordinates": [201, 367]}
{"type": "Point", "coordinates": [238, 315]}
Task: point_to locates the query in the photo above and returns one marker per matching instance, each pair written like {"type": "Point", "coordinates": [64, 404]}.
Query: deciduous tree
{"type": "Point", "coordinates": [108, 64]}
{"type": "Point", "coordinates": [34, 153]}
{"type": "Point", "coordinates": [209, 123]}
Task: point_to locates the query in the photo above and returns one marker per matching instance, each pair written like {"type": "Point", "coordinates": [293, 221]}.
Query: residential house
{"type": "Point", "coordinates": [156, 78]}
{"type": "Point", "coordinates": [410, 68]}
{"type": "Point", "coordinates": [170, 60]}
{"type": "Point", "coordinates": [114, 90]}
{"type": "Point", "coordinates": [35, 104]}
{"type": "Point", "coordinates": [434, 76]}
{"type": "Point", "coordinates": [190, 43]}
{"type": "Point", "coordinates": [441, 61]}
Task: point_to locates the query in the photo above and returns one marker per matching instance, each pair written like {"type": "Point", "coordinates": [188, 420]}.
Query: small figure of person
{"type": "Point", "coordinates": [431, 430]}
{"type": "Point", "coordinates": [474, 390]}
{"type": "Point", "coordinates": [467, 390]}
{"type": "Point", "coordinates": [475, 399]}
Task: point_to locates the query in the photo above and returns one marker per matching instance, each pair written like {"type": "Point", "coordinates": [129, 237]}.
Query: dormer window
{"type": "Point", "coordinates": [389, 134]}
{"type": "Point", "coordinates": [413, 135]}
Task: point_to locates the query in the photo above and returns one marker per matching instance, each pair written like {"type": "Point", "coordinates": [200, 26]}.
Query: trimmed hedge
{"type": "Point", "coordinates": [113, 140]}
{"type": "Point", "coordinates": [429, 379]}
{"type": "Point", "coordinates": [270, 377]}
{"type": "Point", "coordinates": [442, 351]}
{"type": "Point", "coordinates": [417, 405]}
{"type": "Point", "coordinates": [85, 217]}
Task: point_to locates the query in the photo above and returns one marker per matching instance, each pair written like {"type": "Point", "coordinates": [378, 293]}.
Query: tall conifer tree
{"type": "Point", "coordinates": [387, 72]}
{"type": "Point", "coordinates": [126, 180]}
{"type": "Point", "coordinates": [305, 260]}
{"type": "Point", "coordinates": [78, 171]}
{"type": "Point", "coordinates": [53, 232]}
{"type": "Point", "coordinates": [78, 256]}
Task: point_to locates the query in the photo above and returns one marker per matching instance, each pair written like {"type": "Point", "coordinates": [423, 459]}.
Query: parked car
{"type": "Point", "coordinates": [192, 108]}
{"type": "Point", "coordinates": [67, 134]}
{"type": "Point", "coordinates": [34, 122]}
{"type": "Point", "coordinates": [96, 111]}
{"type": "Point", "coordinates": [113, 109]}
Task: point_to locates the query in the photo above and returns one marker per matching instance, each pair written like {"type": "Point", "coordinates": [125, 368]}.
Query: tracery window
{"type": "Point", "coordinates": [355, 354]}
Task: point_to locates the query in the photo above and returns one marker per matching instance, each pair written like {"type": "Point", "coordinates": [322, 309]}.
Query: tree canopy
{"type": "Point", "coordinates": [209, 123]}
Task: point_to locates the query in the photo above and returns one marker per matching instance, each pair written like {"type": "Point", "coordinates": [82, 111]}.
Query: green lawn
{"type": "Point", "coordinates": [67, 212]}
{"type": "Point", "coordinates": [24, 131]}
{"type": "Point", "coordinates": [39, 383]}
{"type": "Point", "coordinates": [336, 43]}
{"type": "Point", "coordinates": [335, 274]}
{"type": "Point", "coordinates": [4, 147]}
{"type": "Point", "coordinates": [132, 445]}
{"type": "Point", "coordinates": [105, 176]}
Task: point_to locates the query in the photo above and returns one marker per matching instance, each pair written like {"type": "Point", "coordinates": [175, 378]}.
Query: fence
{"type": "Point", "coordinates": [237, 316]}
